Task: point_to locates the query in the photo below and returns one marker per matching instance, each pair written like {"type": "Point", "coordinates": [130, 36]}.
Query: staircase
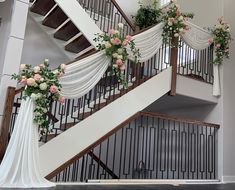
{"type": "Point", "coordinates": [64, 30]}
{"type": "Point", "coordinates": [85, 123]}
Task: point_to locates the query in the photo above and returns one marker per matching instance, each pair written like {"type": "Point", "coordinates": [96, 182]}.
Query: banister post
{"type": "Point", "coordinates": [173, 62]}
{"type": "Point", "coordinates": [6, 120]}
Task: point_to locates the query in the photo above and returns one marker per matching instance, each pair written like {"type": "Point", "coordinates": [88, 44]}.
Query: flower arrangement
{"type": "Point", "coordinates": [221, 40]}
{"type": "Point", "coordinates": [42, 85]}
{"type": "Point", "coordinates": [148, 15]}
{"type": "Point", "coordinates": [115, 46]}
{"type": "Point", "coordinates": [174, 21]}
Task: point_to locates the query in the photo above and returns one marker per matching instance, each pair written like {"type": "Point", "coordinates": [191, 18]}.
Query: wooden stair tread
{"type": "Point", "coordinates": [55, 18]}
{"type": "Point", "coordinates": [42, 7]}
{"type": "Point", "coordinates": [78, 45]}
{"type": "Point", "coordinates": [66, 32]}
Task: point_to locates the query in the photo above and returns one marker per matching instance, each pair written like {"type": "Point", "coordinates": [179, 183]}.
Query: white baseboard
{"type": "Point", "coordinates": [228, 179]}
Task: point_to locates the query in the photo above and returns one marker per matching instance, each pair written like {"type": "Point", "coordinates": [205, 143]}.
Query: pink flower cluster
{"type": "Point", "coordinates": [221, 40]}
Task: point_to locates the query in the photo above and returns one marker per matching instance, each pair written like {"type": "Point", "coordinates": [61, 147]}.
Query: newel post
{"type": "Point", "coordinates": [173, 62]}
{"type": "Point", "coordinates": [6, 120]}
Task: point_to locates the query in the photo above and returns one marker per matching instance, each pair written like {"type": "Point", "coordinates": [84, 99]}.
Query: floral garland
{"type": "Point", "coordinates": [221, 40]}
{"type": "Point", "coordinates": [115, 45]}
{"type": "Point", "coordinates": [174, 21]}
{"type": "Point", "coordinates": [42, 85]}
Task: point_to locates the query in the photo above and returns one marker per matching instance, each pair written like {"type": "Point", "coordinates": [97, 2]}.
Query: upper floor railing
{"type": "Point", "coordinates": [107, 14]}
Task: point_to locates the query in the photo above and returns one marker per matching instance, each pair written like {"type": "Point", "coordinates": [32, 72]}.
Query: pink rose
{"type": "Point", "coordinates": [31, 82]}
{"type": "Point", "coordinates": [62, 100]}
{"type": "Point", "coordinates": [112, 31]}
{"type": "Point", "coordinates": [37, 77]}
{"type": "Point", "coordinates": [128, 38]}
{"type": "Point", "coordinates": [218, 46]}
{"type": "Point", "coordinates": [23, 81]}
{"type": "Point", "coordinates": [42, 66]}
{"type": "Point", "coordinates": [53, 89]}
{"type": "Point", "coordinates": [116, 41]}
{"type": "Point", "coordinates": [210, 41]}
{"type": "Point", "coordinates": [125, 43]}
{"type": "Point", "coordinates": [119, 62]}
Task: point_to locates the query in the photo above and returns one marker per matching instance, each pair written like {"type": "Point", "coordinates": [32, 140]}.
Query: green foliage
{"type": "Point", "coordinates": [147, 15]}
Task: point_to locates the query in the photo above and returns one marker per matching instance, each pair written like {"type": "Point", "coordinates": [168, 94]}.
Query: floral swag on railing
{"type": "Point", "coordinates": [115, 46]}
{"type": "Point", "coordinates": [42, 85]}
{"type": "Point", "coordinates": [221, 40]}
{"type": "Point", "coordinates": [174, 21]}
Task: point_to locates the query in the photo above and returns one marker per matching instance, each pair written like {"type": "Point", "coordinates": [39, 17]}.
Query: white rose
{"type": "Point", "coordinates": [42, 79]}
{"type": "Point", "coordinates": [43, 86]}
{"type": "Point", "coordinates": [107, 45]}
{"type": "Point", "coordinates": [34, 96]}
{"type": "Point", "coordinates": [115, 55]}
{"type": "Point", "coordinates": [46, 61]}
{"type": "Point", "coordinates": [36, 69]}
{"type": "Point", "coordinates": [181, 18]}
{"type": "Point", "coordinates": [63, 66]}
{"type": "Point", "coordinates": [117, 32]}
{"type": "Point", "coordinates": [22, 67]}
{"type": "Point", "coordinates": [176, 35]}
{"type": "Point", "coordinates": [181, 29]}
{"type": "Point", "coordinates": [119, 57]}
{"type": "Point", "coordinates": [120, 25]}
{"type": "Point", "coordinates": [56, 72]}
{"type": "Point", "coordinates": [120, 51]}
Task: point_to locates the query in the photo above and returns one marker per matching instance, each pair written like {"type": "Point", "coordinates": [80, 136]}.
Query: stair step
{"type": "Point", "coordinates": [55, 18]}
{"type": "Point", "coordinates": [42, 7]}
{"type": "Point", "coordinates": [78, 45]}
{"type": "Point", "coordinates": [66, 32]}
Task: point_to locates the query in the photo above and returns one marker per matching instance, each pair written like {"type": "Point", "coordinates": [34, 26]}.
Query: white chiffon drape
{"type": "Point", "coordinates": [81, 76]}
{"type": "Point", "coordinates": [20, 166]}
{"type": "Point", "coordinates": [198, 39]}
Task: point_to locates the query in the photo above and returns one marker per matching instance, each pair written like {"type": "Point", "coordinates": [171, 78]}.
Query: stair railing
{"type": "Point", "coordinates": [107, 14]}
{"type": "Point", "coordinates": [167, 147]}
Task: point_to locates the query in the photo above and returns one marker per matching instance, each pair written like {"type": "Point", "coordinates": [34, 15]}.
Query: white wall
{"type": "Point", "coordinates": [228, 100]}
{"type": "Point", "coordinates": [206, 11]}
{"type": "Point", "coordinates": [129, 7]}
{"type": "Point", "coordinates": [38, 46]}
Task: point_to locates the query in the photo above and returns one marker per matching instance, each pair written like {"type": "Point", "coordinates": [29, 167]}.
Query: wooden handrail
{"type": "Point", "coordinates": [133, 27]}
{"type": "Point", "coordinates": [178, 119]}
{"type": "Point", "coordinates": [6, 120]}
{"type": "Point", "coordinates": [92, 146]}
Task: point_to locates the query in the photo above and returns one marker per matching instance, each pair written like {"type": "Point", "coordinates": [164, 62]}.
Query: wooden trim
{"type": "Point", "coordinates": [87, 150]}
{"type": "Point", "coordinates": [173, 62]}
{"type": "Point", "coordinates": [17, 91]}
{"type": "Point", "coordinates": [103, 165]}
{"type": "Point", "coordinates": [133, 27]}
{"type": "Point", "coordinates": [6, 120]}
{"type": "Point", "coordinates": [178, 119]}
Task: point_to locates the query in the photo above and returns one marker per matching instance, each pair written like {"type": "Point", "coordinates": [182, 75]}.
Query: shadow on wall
{"type": "Point", "coordinates": [38, 46]}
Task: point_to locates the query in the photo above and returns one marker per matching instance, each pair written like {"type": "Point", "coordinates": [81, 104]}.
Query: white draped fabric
{"type": "Point", "coordinates": [20, 166]}
{"type": "Point", "coordinates": [148, 43]}
{"type": "Point", "coordinates": [81, 76]}
{"type": "Point", "coordinates": [198, 38]}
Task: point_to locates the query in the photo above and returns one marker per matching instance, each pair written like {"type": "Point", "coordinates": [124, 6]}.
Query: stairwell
{"type": "Point", "coordinates": [84, 123]}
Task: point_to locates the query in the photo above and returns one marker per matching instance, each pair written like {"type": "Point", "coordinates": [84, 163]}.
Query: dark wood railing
{"type": "Point", "coordinates": [148, 146]}
{"type": "Point", "coordinates": [7, 119]}
{"type": "Point", "coordinates": [107, 14]}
